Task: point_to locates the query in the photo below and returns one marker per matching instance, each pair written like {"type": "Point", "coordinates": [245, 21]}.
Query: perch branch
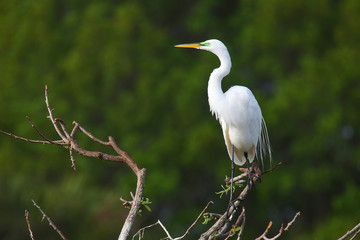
{"type": "Point", "coordinates": [220, 229]}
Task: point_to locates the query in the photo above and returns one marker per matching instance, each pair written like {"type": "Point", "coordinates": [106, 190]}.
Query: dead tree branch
{"type": "Point", "coordinates": [67, 139]}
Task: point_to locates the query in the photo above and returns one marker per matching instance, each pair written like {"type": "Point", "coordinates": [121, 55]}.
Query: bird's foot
{"type": "Point", "coordinates": [234, 205]}
{"type": "Point", "coordinates": [253, 173]}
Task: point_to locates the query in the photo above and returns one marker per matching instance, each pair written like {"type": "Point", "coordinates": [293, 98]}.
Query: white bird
{"type": "Point", "coordinates": [237, 110]}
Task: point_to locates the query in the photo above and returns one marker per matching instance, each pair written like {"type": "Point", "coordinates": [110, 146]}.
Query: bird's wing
{"type": "Point", "coordinates": [244, 114]}
{"type": "Point", "coordinates": [239, 157]}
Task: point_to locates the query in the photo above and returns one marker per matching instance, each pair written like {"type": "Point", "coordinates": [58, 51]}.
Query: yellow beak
{"type": "Point", "coordinates": [189, 45]}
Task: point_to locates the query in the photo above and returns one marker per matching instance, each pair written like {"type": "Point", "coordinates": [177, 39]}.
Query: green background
{"type": "Point", "coordinates": [111, 66]}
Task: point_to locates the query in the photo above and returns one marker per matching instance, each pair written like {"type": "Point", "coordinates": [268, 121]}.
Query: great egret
{"type": "Point", "coordinates": [237, 110]}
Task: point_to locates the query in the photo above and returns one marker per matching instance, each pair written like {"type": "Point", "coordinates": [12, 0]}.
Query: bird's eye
{"type": "Point", "coordinates": [206, 44]}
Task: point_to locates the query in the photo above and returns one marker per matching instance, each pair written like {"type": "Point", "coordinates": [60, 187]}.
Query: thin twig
{"type": "Point", "coordinates": [40, 133]}
{"type": "Point", "coordinates": [141, 232]}
{"type": "Point", "coordinates": [240, 220]}
{"type": "Point", "coordinates": [57, 142]}
{"type": "Point", "coordinates": [353, 237]}
{"type": "Point", "coordinates": [292, 221]}
{"type": "Point", "coordinates": [73, 161]}
{"type": "Point", "coordinates": [28, 224]}
{"type": "Point", "coordinates": [237, 178]}
{"type": "Point", "coordinates": [126, 203]}
{"type": "Point", "coordinates": [263, 236]}
{"type": "Point", "coordinates": [87, 133]}
{"type": "Point", "coordinates": [76, 126]}
{"type": "Point", "coordinates": [197, 219]}
{"type": "Point", "coordinates": [213, 215]}
{"type": "Point", "coordinates": [281, 230]}
{"type": "Point", "coordinates": [273, 168]}
{"type": "Point", "coordinates": [51, 116]}
{"type": "Point", "coordinates": [51, 223]}
{"type": "Point", "coordinates": [348, 233]}
{"type": "Point", "coordinates": [242, 224]}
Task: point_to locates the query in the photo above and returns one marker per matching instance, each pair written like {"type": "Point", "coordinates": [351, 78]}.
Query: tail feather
{"type": "Point", "coordinates": [263, 147]}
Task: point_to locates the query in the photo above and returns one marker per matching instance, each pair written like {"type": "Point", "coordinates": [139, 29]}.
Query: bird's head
{"type": "Point", "coordinates": [213, 45]}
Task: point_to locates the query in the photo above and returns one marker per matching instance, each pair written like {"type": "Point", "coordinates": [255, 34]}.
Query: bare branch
{"type": "Point", "coordinates": [135, 206]}
{"type": "Point", "coordinates": [77, 125]}
{"type": "Point", "coordinates": [58, 142]}
{"type": "Point", "coordinates": [40, 133]}
{"type": "Point", "coordinates": [222, 224]}
{"type": "Point", "coordinates": [263, 236]}
{"type": "Point", "coordinates": [51, 116]}
{"type": "Point", "coordinates": [237, 178]}
{"type": "Point", "coordinates": [273, 168]}
{"type": "Point", "coordinates": [141, 232]}
{"type": "Point", "coordinates": [292, 221]}
{"type": "Point", "coordinates": [67, 139]}
{"type": "Point", "coordinates": [28, 224]}
{"type": "Point", "coordinates": [213, 215]}
{"type": "Point", "coordinates": [197, 219]}
{"type": "Point", "coordinates": [51, 223]}
{"type": "Point", "coordinates": [73, 161]}
{"type": "Point", "coordinates": [348, 233]}
{"type": "Point", "coordinates": [353, 237]}
{"type": "Point", "coordinates": [281, 230]}
{"type": "Point", "coordinates": [243, 216]}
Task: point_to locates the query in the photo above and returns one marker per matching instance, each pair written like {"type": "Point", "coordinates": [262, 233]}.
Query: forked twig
{"type": "Point", "coordinates": [281, 230]}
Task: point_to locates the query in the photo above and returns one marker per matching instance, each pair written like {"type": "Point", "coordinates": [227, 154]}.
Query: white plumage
{"type": "Point", "coordinates": [237, 110]}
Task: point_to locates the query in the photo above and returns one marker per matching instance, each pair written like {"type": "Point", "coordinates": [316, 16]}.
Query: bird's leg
{"type": "Point", "coordinates": [231, 180]}
{"type": "Point", "coordinates": [250, 179]}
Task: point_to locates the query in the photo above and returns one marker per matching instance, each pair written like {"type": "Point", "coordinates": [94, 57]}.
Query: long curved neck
{"type": "Point", "coordinates": [215, 93]}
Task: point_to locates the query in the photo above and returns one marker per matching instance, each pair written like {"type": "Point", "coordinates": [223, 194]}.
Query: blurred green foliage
{"type": "Point", "coordinates": [112, 67]}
